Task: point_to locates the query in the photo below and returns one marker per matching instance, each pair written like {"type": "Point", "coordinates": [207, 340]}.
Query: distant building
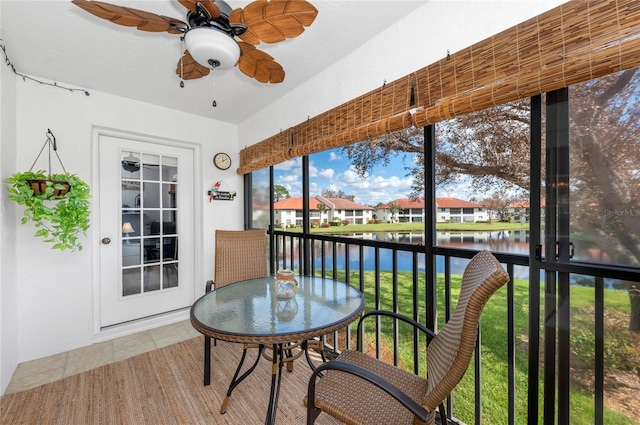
{"type": "Point", "coordinates": [448, 210]}
{"type": "Point", "coordinates": [521, 211]}
{"type": "Point", "coordinates": [289, 211]}
{"type": "Point", "coordinates": [453, 210]}
{"type": "Point", "coordinates": [403, 210]}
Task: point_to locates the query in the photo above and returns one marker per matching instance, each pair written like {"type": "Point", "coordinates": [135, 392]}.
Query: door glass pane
{"type": "Point", "coordinates": [130, 195]}
{"type": "Point", "coordinates": [151, 278]}
{"type": "Point", "coordinates": [130, 281]}
{"type": "Point", "coordinates": [170, 275]}
{"type": "Point", "coordinates": [130, 224]}
{"type": "Point", "coordinates": [169, 195]}
{"type": "Point", "coordinates": [169, 169]}
{"type": "Point", "coordinates": [151, 192]}
{"type": "Point", "coordinates": [131, 252]}
{"type": "Point", "coordinates": [131, 165]}
{"type": "Point", "coordinates": [149, 222]}
{"type": "Point", "coordinates": [169, 220]}
{"type": "Point", "coordinates": [152, 250]}
{"type": "Point", "coordinates": [150, 167]}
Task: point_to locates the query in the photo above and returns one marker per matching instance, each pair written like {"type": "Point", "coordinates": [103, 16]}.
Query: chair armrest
{"type": "Point", "coordinates": [421, 327]}
{"type": "Point", "coordinates": [376, 380]}
{"type": "Point", "coordinates": [209, 286]}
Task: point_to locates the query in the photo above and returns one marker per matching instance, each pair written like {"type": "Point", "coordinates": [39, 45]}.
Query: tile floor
{"type": "Point", "coordinates": [41, 371]}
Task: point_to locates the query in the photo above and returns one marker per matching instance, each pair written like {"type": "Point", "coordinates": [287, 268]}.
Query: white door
{"type": "Point", "coordinates": [146, 229]}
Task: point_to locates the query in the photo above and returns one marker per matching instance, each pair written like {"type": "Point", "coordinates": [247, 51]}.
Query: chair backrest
{"type": "Point", "coordinates": [449, 353]}
{"type": "Point", "coordinates": [239, 255]}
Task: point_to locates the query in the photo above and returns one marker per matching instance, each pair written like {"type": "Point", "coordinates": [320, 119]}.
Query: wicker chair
{"type": "Point", "coordinates": [239, 255]}
{"type": "Point", "coordinates": [359, 389]}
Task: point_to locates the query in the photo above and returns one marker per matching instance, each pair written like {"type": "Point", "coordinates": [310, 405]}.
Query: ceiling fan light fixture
{"type": "Point", "coordinates": [209, 45]}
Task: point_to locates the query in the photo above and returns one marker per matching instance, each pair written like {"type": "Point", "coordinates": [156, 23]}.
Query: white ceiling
{"type": "Point", "coordinates": [59, 42]}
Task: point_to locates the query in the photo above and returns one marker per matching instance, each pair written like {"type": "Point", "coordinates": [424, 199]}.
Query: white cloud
{"type": "Point", "coordinates": [327, 173]}
{"type": "Point", "coordinates": [368, 191]}
{"type": "Point", "coordinates": [287, 165]}
{"type": "Point", "coordinates": [334, 156]}
{"type": "Point", "coordinates": [288, 179]}
{"type": "Point", "coordinates": [313, 170]}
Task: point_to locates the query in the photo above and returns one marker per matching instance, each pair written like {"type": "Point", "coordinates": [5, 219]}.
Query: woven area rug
{"type": "Point", "coordinates": [162, 387]}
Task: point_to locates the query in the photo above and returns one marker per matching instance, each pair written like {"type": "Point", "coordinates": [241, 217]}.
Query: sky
{"type": "Point", "coordinates": [332, 170]}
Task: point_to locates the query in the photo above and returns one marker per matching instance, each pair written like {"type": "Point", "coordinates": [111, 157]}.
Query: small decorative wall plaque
{"type": "Point", "coordinates": [215, 194]}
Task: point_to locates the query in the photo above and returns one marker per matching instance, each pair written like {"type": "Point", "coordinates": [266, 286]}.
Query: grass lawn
{"type": "Point", "coordinates": [494, 346]}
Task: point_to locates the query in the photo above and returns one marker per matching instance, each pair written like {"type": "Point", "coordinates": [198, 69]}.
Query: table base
{"type": "Point", "coordinates": [281, 353]}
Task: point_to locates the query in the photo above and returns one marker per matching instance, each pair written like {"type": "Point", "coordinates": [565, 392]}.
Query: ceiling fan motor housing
{"type": "Point", "coordinates": [210, 40]}
{"type": "Point", "coordinates": [210, 47]}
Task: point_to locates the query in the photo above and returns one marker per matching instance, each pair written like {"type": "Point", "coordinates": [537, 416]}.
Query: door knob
{"type": "Point", "coordinates": [106, 241]}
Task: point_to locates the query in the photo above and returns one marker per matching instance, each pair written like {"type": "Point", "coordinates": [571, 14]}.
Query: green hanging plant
{"type": "Point", "coordinates": [58, 205]}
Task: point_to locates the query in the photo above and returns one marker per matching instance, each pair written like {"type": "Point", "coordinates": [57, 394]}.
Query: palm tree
{"type": "Point", "coordinates": [321, 208]}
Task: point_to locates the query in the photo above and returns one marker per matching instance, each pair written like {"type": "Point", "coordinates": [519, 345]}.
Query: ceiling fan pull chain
{"type": "Point", "coordinates": [181, 61]}
{"type": "Point", "coordinates": [213, 74]}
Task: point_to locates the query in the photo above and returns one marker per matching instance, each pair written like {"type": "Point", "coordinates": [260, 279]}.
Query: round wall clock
{"type": "Point", "coordinates": [222, 161]}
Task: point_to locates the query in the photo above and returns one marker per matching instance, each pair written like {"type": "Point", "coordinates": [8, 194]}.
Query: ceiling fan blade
{"type": "Point", "coordinates": [274, 21]}
{"type": "Point", "coordinates": [189, 69]}
{"type": "Point", "coordinates": [129, 17]}
{"type": "Point", "coordinates": [257, 64]}
{"type": "Point", "coordinates": [209, 5]}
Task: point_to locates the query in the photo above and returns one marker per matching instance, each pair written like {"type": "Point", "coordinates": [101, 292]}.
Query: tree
{"type": "Point", "coordinates": [395, 209]}
{"type": "Point", "coordinates": [321, 208]}
{"type": "Point", "coordinates": [490, 148]}
{"type": "Point", "coordinates": [280, 192]}
{"type": "Point", "coordinates": [498, 203]}
{"type": "Point", "coordinates": [332, 193]}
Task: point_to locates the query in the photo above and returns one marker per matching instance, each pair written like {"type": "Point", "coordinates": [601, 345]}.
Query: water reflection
{"type": "Point", "coordinates": [516, 242]}
{"type": "Point", "coordinates": [507, 241]}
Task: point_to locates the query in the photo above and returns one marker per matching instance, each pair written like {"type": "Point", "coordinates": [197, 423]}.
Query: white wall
{"type": "Point", "coordinates": [418, 40]}
{"type": "Point", "coordinates": [56, 289]}
{"type": "Point", "coordinates": [8, 281]}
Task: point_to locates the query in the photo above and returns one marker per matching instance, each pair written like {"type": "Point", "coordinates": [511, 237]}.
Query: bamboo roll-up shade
{"type": "Point", "coordinates": [574, 42]}
{"type": "Point", "coordinates": [380, 111]}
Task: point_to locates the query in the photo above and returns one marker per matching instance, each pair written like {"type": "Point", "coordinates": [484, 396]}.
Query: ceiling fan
{"type": "Point", "coordinates": [212, 31]}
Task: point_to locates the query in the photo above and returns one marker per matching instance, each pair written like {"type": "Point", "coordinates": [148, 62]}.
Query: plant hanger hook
{"type": "Point", "coordinates": [51, 142]}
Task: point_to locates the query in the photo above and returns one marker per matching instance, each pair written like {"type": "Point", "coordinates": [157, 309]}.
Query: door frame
{"type": "Point", "coordinates": [103, 334]}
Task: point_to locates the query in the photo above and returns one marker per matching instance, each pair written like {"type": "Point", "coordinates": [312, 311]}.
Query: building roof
{"type": "Point", "coordinates": [406, 203]}
{"type": "Point", "coordinates": [455, 203]}
{"type": "Point", "coordinates": [525, 204]}
{"type": "Point", "coordinates": [335, 203]}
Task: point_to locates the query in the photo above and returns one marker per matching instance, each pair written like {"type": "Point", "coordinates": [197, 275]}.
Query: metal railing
{"type": "Point", "coordinates": [396, 277]}
{"type": "Point", "coordinates": [365, 264]}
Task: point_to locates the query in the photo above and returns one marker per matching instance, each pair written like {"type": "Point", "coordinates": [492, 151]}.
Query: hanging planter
{"type": "Point", "coordinates": [58, 204]}
{"type": "Point", "coordinates": [40, 186]}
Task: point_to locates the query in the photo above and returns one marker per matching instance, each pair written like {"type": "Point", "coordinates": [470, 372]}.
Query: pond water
{"type": "Point", "coordinates": [505, 241]}
{"type": "Point", "coordinates": [516, 242]}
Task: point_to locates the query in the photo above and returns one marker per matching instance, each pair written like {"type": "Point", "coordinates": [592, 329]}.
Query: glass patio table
{"type": "Point", "coordinates": [248, 312]}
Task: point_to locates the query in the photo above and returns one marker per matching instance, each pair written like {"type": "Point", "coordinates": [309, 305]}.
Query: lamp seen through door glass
{"type": "Point", "coordinates": [126, 229]}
